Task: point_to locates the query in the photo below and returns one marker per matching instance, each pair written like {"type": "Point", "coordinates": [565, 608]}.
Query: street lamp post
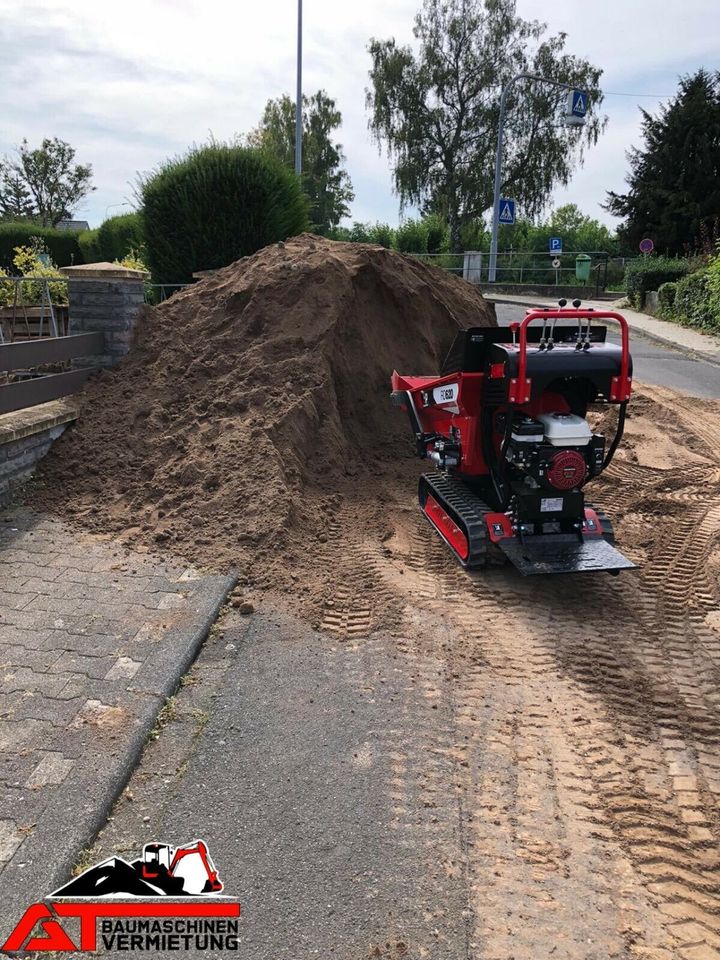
{"type": "Point", "coordinates": [492, 270]}
{"type": "Point", "coordinates": [298, 98]}
{"type": "Point", "coordinates": [111, 205]}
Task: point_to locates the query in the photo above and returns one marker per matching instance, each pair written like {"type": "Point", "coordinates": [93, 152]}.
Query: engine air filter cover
{"type": "Point", "coordinates": [565, 429]}
{"type": "Point", "coordinates": [567, 470]}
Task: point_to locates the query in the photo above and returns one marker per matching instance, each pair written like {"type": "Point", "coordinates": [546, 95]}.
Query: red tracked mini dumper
{"type": "Point", "coordinates": [505, 424]}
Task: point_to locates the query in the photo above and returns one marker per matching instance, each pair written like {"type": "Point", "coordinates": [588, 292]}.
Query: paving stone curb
{"type": "Point", "coordinates": [81, 805]}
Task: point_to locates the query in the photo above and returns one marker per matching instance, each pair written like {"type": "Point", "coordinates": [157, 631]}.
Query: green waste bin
{"type": "Point", "coordinates": [582, 267]}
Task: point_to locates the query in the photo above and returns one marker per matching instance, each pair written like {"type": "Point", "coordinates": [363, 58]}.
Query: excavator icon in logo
{"type": "Point", "coordinates": [168, 900]}
{"type": "Point", "coordinates": [163, 870]}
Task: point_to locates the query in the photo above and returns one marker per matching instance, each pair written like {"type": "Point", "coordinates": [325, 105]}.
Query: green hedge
{"type": "Point", "coordinates": [113, 239]}
{"type": "Point", "coordinates": [694, 306]}
{"type": "Point", "coordinates": [650, 273]}
{"type": "Point", "coordinates": [117, 236]}
{"type": "Point", "coordinates": [666, 298]}
{"type": "Point", "coordinates": [89, 246]}
{"type": "Point", "coordinates": [217, 204]}
{"type": "Point", "coordinates": [62, 245]}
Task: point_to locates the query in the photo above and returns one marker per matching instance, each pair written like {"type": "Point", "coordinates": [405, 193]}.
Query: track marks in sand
{"type": "Point", "coordinates": [580, 732]}
{"type": "Point", "coordinates": [592, 774]}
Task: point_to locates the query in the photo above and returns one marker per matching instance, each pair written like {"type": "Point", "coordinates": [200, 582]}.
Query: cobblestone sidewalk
{"type": "Point", "coordinates": [93, 639]}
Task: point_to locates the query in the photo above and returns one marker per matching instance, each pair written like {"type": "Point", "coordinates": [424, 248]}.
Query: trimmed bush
{"type": "Point", "coordinates": [117, 236]}
{"type": "Point", "coordinates": [214, 205]}
{"type": "Point", "coordinates": [666, 298]}
{"type": "Point", "coordinates": [650, 273]}
{"type": "Point", "coordinates": [62, 245]}
{"type": "Point", "coordinates": [89, 246]}
{"type": "Point", "coordinates": [694, 306]}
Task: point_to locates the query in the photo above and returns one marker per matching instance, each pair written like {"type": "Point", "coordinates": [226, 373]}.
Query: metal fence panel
{"type": "Point", "coordinates": [28, 393]}
{"type": "Point", "coordinates": [22, 354]}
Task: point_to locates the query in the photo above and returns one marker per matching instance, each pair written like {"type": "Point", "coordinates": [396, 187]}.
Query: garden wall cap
{"type": "Point", "coordinates": [103, 271]}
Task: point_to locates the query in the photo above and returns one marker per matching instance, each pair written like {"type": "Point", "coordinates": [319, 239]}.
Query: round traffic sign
{"type": "Point", "coordinates": [556, 263]}
{"type": "Point", "coordinates": [646, 245]}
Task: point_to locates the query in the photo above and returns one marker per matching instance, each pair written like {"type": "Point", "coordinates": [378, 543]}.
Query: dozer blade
{"type": "Point", "coordinates": [564, 554]}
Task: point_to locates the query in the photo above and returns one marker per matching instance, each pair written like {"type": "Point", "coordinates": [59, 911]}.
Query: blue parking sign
{"type": "Point", "coordinates": [555, 245]}
{"type": "Point", "coordinates": [507, 212]}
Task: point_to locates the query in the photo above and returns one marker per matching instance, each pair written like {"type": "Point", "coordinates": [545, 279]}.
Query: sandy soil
{"type": "Point", "coordinates": [556, 756]}
{"type": "Point", "coordinates": [594, 831]}
{"type": "Point", "coordinates": [251, 399]}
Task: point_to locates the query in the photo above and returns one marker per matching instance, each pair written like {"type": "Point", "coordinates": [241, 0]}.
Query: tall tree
{"type": "Point", "coordinates": [325, 181]}
{"type": "Point", "coordinates": [674, 182]}
{"type": "Point", "coordinates": [43, 184]}
{"type": "Point", "coordinates": [15, 200]}
{"type": "Point", "coordinates": [437, 110]}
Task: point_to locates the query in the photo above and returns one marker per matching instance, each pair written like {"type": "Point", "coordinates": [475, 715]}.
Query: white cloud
{"type": "Point", "coordinates": [131, 85]}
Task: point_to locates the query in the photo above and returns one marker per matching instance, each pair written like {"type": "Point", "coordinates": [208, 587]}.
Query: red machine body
{"type": "Point", "coordinates": [505, 424]}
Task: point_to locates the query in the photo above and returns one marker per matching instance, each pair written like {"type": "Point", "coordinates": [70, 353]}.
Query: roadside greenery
{"type": "Point", "coordinates": [33, 262]}
{"type": "Point", "coordinates": [650, 273]}
{"type": "Point", "coordinates": [434, 107]}
{"type": "Point", "coordinates": [214, 205]}
{"type": "Point", "coordinates": [431, 234]}
{"type": "Point", "coordinates": [694, 300]}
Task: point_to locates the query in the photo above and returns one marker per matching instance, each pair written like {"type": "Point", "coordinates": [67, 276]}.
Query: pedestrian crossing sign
{"type": "Point", "coordinates": [577, 103]}
{"type": "Point", "coordinates": [507, 212]}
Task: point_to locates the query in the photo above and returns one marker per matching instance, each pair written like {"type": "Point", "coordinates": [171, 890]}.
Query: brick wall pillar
{"type": "Point", "coordinates": [105, 297]}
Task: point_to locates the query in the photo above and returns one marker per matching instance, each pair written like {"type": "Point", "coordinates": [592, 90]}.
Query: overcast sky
{"type": "Point", "coordinates": [131, 83]}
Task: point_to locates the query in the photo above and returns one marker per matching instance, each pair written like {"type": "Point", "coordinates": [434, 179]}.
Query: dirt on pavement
{"type": "Point", "coordinates": [250, 402]}
{"type": "Point", "coordinates": [593, 830]}
{"type": "Point", "coordinates": [585, 733]}
{"type": "Point", "coordinates": [565, 770]}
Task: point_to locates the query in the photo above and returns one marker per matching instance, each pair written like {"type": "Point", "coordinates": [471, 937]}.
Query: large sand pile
{"type": "Point", "coordinates": [251, 400]}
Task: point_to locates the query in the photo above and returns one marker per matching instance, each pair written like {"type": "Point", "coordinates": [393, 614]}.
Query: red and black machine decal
{"type": "Point", "coordinates": [506, 426]}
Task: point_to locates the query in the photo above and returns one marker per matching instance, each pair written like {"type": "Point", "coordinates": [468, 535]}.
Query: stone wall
{"type": "Point", "coordinates": [25, 437]}
{"type": "Point", "coordinates": [105, 297]}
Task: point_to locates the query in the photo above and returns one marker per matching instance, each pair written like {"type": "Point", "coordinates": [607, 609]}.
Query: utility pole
{"type": "Point", "coordinates": [492, 270]}
{"type": "Point", "coordinates": [298, 97]}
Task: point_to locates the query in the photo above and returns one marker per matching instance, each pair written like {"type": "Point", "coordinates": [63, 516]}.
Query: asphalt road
{"type": "Point", "coordinates": [653, 363]}
{"type": "Point", "coordinates": [298, 760]}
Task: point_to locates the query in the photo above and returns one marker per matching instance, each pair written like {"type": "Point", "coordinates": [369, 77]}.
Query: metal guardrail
{"type": "Point", "coordinates": [530, 266]}
{"type": "Point", "coordinates": [452, 262]}
{"type": "Point", "coordinates": [34, 386]}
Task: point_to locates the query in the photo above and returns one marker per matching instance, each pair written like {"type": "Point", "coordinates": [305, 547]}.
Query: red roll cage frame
{"type": "Point", "coordinates": [621, 386]}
